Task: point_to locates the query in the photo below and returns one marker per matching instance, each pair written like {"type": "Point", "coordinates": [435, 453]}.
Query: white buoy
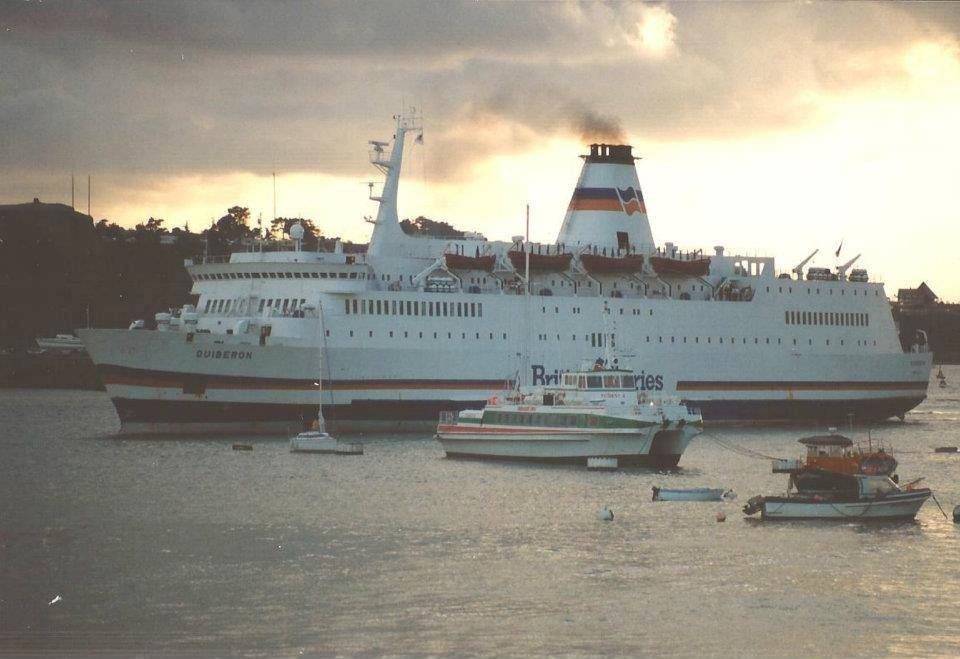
{"type": "Point", "coordinates": [605, 514]}
{"type": "Point", "coordinates": [55, 600]}
{"type": "Point", "coordinates": [721, 516]}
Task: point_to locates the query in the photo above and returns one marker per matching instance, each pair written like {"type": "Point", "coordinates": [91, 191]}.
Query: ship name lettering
{"type": "Point", "coordinates": [224, 354]}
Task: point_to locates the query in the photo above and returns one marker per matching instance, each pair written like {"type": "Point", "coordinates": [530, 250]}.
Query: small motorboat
{"type": "Point", "coordinates": [318, 441]}
{"type": "Point", "coordinates": [557, 261]}
{"type": "Point", "coordinates": [946, 449]}
{"type": "Point", "coordinates": [840, 481]}
{"type": "Point", "coordinates": [692, 494]}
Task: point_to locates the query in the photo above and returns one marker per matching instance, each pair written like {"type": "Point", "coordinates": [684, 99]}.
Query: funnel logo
{"type": "Point", "coordinates": [632, 200]}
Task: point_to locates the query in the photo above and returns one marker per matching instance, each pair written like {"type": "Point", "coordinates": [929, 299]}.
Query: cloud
{"type": "Point", "coordinates": [176, 87]}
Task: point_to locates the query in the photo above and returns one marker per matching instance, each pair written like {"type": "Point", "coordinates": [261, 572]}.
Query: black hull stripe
{"type": "Point", "coordinates": [137, 410]}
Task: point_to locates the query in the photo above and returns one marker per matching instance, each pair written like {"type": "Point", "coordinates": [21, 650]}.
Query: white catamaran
{"type": "Point", "coordinates": [421, 324]}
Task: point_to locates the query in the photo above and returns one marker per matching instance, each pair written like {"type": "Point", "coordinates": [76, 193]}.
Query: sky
{"type": "Point", "coordinates": [770, 128]}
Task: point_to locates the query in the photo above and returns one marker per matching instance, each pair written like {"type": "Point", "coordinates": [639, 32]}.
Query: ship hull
{"type": "Point", "coordinates": [397, 373]}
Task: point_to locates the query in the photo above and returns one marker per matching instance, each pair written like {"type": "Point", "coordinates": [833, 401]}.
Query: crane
{"type": "Point", "coordinates": [799, 267]}
{"type": "Point", "coordinates": [842, 269]}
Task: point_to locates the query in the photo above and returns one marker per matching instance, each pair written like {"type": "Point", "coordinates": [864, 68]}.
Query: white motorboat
{"type": "Point", "coordinates": [61, 342]}
{"type": "Point", "coordinates": [692, 494]}
{"type": "Point", "coordinates": [590, 413]}
{"type": "Point", "coordinates": [840, 481]}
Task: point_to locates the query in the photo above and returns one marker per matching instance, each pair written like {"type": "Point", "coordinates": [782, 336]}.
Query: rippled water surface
{"type": "Point", "coordinates": [173, 546]}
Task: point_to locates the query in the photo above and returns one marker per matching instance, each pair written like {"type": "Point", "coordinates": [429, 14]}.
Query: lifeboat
{"type": "Point", "coordinates": [601, 264]}
{"type": "Point", "coordinates": [463, 262]}
{"type": "Point", "coordinates": [698, 267]}
{"type": "Point", "coordinates": [540, 262]}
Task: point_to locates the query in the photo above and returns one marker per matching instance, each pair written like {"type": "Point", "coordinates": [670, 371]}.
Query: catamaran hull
{"type": "Point", "coordinates": [651, 448]}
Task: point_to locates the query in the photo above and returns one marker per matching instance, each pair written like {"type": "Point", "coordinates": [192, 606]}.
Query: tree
{"type": "Point", "coordinates": [232, 227]}
{"type": "Point", "coordinates": [423, 226]}
{"type": "Point", "coordinates": [106, 229]}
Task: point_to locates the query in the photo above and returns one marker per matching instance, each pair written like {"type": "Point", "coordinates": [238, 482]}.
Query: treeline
{"type": "Point", "coordinates": [56, 265]}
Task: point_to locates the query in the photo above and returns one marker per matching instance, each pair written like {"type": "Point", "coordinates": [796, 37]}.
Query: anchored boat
{"type": "Point", "coordinates": [840, 481]}
{"type": "Point", "coordinates": [590, 413]}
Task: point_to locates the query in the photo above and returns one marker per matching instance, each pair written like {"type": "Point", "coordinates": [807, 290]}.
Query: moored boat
{"type": "Point", "coordinates": [691, 494]}
{"type": "Point", "coordinates": [590, 413]}
{"type": "Point", "coordinates": [318, 441]}
{"type": "Point", "coordinates": [840, 481]}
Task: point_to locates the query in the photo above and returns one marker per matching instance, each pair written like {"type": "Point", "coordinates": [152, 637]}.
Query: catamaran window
{"type": "Point", "coordinates": [207, 308]}
{"type": "Point", "coordinates": [611, 382]}
{"type": "Point", "coordinates": [594, 382]}
{"type": "Point", "coordinates": [293, 304]}
{"type": "Point", "coordinates": [286, 303]}
{"type": "Point", "coordinates": [220, 305]}
{"type": "Point", "coordinates": [226, 309]}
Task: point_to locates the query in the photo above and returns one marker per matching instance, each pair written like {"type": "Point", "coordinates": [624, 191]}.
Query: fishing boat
{"type": "Point", "coordinates": [61, 342]}
{"type": "Point", "coordinates": [595, 412]}
{"type": "Point", "coordinates": [838, 480]}
{"type": "Point", "coordinates": [692, 494]}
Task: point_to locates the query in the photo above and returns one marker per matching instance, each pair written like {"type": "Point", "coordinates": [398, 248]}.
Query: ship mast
{"type": "Point", "coordinates": [386, 231]}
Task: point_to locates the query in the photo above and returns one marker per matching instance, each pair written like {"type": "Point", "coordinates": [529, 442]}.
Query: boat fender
{"type": "Point", "coordinates": [656, 493]}
{"type": "Point", "coordinates": [721, 516]}
{"type": "Point", "coordinates": [492, 400]}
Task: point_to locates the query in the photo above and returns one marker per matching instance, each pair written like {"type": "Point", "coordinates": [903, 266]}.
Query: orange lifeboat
{"type": "Point", "coordinates": [540, 262]}
{"type": "Point", "coordinates": [694, 267]}
{"type": "Point", "coordinates": [463, 262]}
{"type": "Point", "coordinates": [602, 264]}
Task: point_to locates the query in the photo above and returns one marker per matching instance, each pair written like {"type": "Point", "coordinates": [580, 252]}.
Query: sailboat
{"type": "Point", "coordinates": [317, 439]}
{"type": "Point", "coordinates": [941, 377]}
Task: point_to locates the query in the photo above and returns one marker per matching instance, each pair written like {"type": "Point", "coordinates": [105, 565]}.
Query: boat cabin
{"type": "Point", "coordinates": [831, 453]}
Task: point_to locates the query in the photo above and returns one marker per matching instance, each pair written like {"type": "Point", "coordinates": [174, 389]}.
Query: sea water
{"type": "Point", "coordinates": [185, 546]}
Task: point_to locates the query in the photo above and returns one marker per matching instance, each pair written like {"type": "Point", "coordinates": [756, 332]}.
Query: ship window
{"type": "Point", "coordinates": [406, 335]}
{"type": "Point", "coordinates": [353, 275]}
{"type": "Point", "coordinates": [768, 340]}
{"type": "Point", "coordinates": [786, 317]}
{"type": "Point", "coordinates": [323, 275]}
{"type": "Point", "coordinates": [478, 335]}
{"type": "Point", "coordinates": [220, 305]}
{"type": "Point", "coordinates": [379, 307]}
{"type": "Point", "coordinates": [628, 382]}
{"type": "Point", "coordinates": [286, 303]}
{"type": "Point", "coordinates": [491, 335]}
{"type": "Point", "coordinates": [434, 335]}
{"type": "Point", "coordinates": [391, 334]}
{"type": "Point", "coordinates": [480, 309]}
{"type": "Point", "coordinates": [351, 332]}
{"type": "Point", "coordinates": [370, 334]}
{"type": "Point", "coordinates": [393, 307]}
{"type": "Point", "coordinates": [594, 382]}
{"type": "Point", "coordinates": [423, 308]}
{"type": "Point", "coordinates": [449, 335]}
{"type": "Point", "coordinates": [421, 334]}
{"type": "Point", "coordinates": [459, 308]}
{"type": "Point", "coordinates": [504, 336]}
{"type": "Point", "coordinates": [263, 302]}
{"type": "Point", "coordinates": [708, 339]}
{"type": "Point", "coordinates": [288, 275]}
{"type": "Point", "coordinates": [473, 309]}
{"type": "Point", "coordinates": [400, 307]}
{"type": "Point", "coordinates": [296, 275]}
{"type": "Point", "coordinates": [409, 308]}
{"type": "Point", "coordinates": [342, 275]}
{"type": "Point", "coordinates": [611, 382]}
{"type": "Point", "coordinates": [866, 319]}
{"type": "Point", "coordinates": [315, 275]}
{"type": "Point", "coordinates": [582, 381]}
{"type": "Point", "coordinates": [443, 308]}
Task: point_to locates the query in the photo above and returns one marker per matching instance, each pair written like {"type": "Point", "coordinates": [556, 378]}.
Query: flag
{"type": "Point", "coordinates": [838, 249]}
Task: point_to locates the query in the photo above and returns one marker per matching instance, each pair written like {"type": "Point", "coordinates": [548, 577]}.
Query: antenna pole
{"type": "Point", "coordinates": [274, 197]}
{"type": "Point", "coordinates": [88, 195]}
{"type": "Point", "coordinates": [73, 195]}
{"type": "Point", "coordinates": [527, 255]}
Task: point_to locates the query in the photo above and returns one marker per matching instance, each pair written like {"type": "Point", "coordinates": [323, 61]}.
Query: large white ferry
{"type": "Point", "coordinates": [418, 325]}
